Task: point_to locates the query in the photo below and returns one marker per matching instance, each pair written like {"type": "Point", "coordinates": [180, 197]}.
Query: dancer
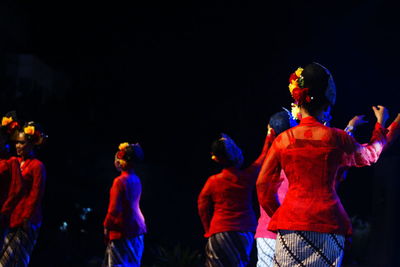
{"type": "Point", "coordinates": [26, 218]}
{"type": "Point", "coordinates": [10, 174]}
{"type": "Point", "coordinates": [124, 225]}
{"type": "Point", "coordinates": [312, 223]}
{"type": "Point", "coordinates": [225, 204]}
{"type": "Point", "coordinates": [265, 239]}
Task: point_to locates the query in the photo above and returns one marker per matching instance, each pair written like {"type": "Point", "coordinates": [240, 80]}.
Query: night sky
{"type": "Point", "coordinates": [173, 76]}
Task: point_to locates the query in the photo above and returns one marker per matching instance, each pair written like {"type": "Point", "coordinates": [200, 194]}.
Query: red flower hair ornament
{"type": "Point", "coordinates": [299, 94]}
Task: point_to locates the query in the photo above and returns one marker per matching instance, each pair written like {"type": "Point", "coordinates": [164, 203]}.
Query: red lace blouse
{"type": "Point", "coordinates": [311, 156]}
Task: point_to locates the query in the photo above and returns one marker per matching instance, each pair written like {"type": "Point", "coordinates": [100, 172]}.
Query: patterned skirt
{"type": "Point", "coordinates": [265, 252]}
{"type": "Point", "coordinates": [18, 246]}
{"type": "Point", "coordinates": [308, 249]}
{"type": "Point", "coordinates": [229, 249]}
{"type": "Point", "coordinates": [124, 252]}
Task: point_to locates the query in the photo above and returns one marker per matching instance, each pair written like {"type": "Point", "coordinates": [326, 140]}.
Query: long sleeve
{"type": "Point", "coordinates": [269, 180]}
{"type": "Point", "coordinates": [358, 155]}
{"type": "Point", "coordinates": [37, 191]}
{"type": "Point", "coordinates": [393, 134]}
{"type": "Point", "coordinates": [113, 218]}
{"type": "Point", "coordinates": [15, 187]}
{"type": "Point", "coordinates": [205, 206]}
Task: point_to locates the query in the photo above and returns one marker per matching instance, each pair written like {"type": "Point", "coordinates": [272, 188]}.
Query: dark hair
{"type": "Point", "coordinates": [227, 151]}
{"type": "Point", "coordinates": [280, 122]}
{"type": "Point", "coordinates": [38, 137]}
{"type": "Point", "coordinates": [132, 153]}
{"type": "Point", "coordinates": [317, 79]}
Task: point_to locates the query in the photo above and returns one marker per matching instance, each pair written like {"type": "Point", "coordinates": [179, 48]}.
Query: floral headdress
{"type": "Point", "coordinates": [298, 92]}
{"type": "Point", "coordinates": [34, 133]}
{"type": "Point", "coordinates": [129, 152]}
{"type": "Point", "coordinates": [9, 123]}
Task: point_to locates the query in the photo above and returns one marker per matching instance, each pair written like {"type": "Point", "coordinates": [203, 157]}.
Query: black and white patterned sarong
{"type": "Point", "coordinates": [308, 249]}
{"type": "Point", "coordinates": [124, 252]}
{"type": "Point", "coordinates": [229, 249]}
{"type": "Point", "coordinates": [18, 246]}
{"type": "Point", "coordinates": [265, 252]}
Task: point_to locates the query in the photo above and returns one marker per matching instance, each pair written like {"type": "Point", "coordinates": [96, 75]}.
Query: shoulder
{"type": "Point", "coordinates": [37, 163]}
{"type": "Point", "coordinates": [13, 160]}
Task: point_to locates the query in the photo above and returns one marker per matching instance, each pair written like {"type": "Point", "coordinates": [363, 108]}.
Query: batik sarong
{"type": "Point", "coordinates": [265, 252]}
{"type": "Point", "coordinates": [229, 249]}
{"type": "Point", "coordinates": [124, 252]}
{"type": "Point", "coordinates": [308, 249]}
{"type": "Point", "coordinates": [18, 246]}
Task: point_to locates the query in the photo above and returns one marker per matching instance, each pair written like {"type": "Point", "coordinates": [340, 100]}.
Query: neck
{"type": "Point", "coordinates": [304, 114]}
{"type": "Point", "coordinates": [130, 171]}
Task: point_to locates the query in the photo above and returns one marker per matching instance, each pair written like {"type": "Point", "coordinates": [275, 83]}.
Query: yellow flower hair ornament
{"type": "Point", "coordinates": [6, 120]}
{"type": "Point", "coordinates": [34, 133]}
{"type": "Point", "coordinates": [9, 123]}
{"type": "Point", "coordinates": [121, 155]}
{"type": "Point", "coordinates": [30, 130]}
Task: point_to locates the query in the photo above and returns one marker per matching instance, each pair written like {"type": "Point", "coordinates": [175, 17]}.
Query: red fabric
{"type": "Point", "coordinates": [311, 156]}
{"type": "Point", "coordinates": [263, 222]}
{"type": "Point", "coordinates": [10, 184]}
{"type": "Point", "coordinates": [225, 202]}
{"type": "Point", "coordinates": [393, 134]}
{"type": "Point", "coordinates": [124, 218]}
{"type": "Point", "coordinates": [32, 185]}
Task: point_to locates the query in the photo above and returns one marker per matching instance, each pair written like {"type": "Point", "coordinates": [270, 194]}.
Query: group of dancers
{"type": "Point", "coordinates": [302, 221]}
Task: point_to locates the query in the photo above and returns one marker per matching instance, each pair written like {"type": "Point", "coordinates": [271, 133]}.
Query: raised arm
{"type": "Point", "coordinates": [363, 155]}
{"type": "Point", "coordinates": [267, 144]}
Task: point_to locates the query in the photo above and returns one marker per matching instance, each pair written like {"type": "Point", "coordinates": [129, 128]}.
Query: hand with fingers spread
{"type": "Point", "coordinates": [356, 121]}
{"type": "Point", "coordinates": [381, 114]}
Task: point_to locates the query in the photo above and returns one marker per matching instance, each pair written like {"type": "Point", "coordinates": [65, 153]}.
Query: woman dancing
{"type": "Point", "coordinates": [124, 225]}
{"type": "Point", "coordinates": [225, 205]}
{"type": "Point", "coordinates": [311, 222]}
{"type": "Point", "coordinates": [10, 174]}
{"type": "Point", "coordinates": [26, 218]}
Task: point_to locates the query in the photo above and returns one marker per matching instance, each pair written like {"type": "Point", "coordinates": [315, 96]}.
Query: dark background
{"type": "Point", "coordinates": [172, 76]}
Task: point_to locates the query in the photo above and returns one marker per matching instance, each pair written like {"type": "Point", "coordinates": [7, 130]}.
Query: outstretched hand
{"type": "Point", "coordinates": [357, 120]}
{"type": "Point", "coordinates": [381, 114]}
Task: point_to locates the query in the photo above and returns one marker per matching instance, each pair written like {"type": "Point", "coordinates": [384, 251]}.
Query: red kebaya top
{"type": "Point", "coordinates": [29, 206]}
{"type": "Point", "coordinates": [124, 218]}
{"type": "Point", "coordinates": [225, 202]}
{"type": "Point", "coordinates": [311, 155]}
{"type": "Point", "coordinates": [393, 134]}
{"type": "Point", "coordinates": [10, 182]}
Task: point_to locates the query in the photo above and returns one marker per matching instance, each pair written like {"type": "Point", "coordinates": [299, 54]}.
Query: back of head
{"type": "Point", "coordinates": [131, 153]}
{"type": "Point", "coordinates": [280, 122]}
{"type": "Point", "coordinates": [314, 88]}
{"type": "Point", "coordinates": [228, 153]}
